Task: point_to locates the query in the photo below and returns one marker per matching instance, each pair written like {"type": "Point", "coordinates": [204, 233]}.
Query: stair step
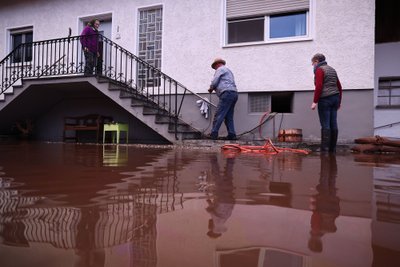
{"type": "Point", "coordinates": [139, 97]}
{"type": "Point", "coordinates": [9, 90]}
{"type": "Point", "coordinates": [148, 110]}
{"type": "Point", "coordinates": [127, 94]}
{"type": "Point", "coordinates": [166, 119]}
{"type": "Point", "coordinates": [191, 135]}
{"type": "Point", "coordinates": [182, 128]}
{"type": "Point", "coordinates": [143, 103]}
{"type": "Point", "coordinates": [116, 88]}
{"type": "Point", "coordinates": [103, 80]}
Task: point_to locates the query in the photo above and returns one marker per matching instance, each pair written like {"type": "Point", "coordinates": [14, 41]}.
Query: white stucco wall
{"type": "Point", "coordinates": [192, 38]}
{"type": "Point", "coordinates": [344, 32]}
{"type": "Point", "coordinates": [387, 60]}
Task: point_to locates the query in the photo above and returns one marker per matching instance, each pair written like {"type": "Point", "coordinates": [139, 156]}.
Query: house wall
{"type": "Point", "coordinates": [387, 64]}
{"type": "Point", "coordinates": [193, 35]}
{"type": "Point", "coordinates": [352, 123]}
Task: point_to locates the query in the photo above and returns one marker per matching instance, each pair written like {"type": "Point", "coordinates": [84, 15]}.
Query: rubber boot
{"type": "Point", "coordinates": [334, 137]}
{"type": "Point", "coordinates": [325, 140]}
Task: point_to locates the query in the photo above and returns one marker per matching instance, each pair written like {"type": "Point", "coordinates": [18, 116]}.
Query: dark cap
{"type": "Point", "coordinates": [320, 57]}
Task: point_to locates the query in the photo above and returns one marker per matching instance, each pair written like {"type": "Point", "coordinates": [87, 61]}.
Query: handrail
{"type": "Point", "coordinates": [50, 67]}
{"type": "Point", "coordinates": [152, 67]}
{"type": "Point", "coordinates": [65, 57]}
{"type": "Point", "coordinates": [386, 125]}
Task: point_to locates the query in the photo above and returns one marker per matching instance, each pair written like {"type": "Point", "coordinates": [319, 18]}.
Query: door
{"type": "Point", "coordinates": [104, 30]}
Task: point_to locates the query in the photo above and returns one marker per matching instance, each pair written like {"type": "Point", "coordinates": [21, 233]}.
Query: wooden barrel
{"type": "Point", "coordinates": [290, 135]}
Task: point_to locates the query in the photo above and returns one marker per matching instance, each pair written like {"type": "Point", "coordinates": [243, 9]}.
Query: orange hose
{"type": "Point", "coordinates": [261, 123]}
{"type": "Point", "coordinates": [267, 148]}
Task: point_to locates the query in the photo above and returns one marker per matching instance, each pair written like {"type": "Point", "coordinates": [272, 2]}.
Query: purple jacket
{"type": "Point", "coordinates": [89, 39]}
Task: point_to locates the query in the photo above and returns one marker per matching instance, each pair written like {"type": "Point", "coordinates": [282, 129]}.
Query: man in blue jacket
{"type": "Point", "coordinates": [224, 85]}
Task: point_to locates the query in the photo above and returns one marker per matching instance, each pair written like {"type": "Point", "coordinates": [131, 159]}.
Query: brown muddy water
{"type": "Point", "coordinates": [94, 205]}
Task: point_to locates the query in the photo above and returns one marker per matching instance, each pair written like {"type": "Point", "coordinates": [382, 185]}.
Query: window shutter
{"type": "Point", "coordinates": [250, 8]}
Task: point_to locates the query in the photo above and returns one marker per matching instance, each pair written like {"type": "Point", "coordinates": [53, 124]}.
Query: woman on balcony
{"type": "Point", "coordinates": [90, 46]}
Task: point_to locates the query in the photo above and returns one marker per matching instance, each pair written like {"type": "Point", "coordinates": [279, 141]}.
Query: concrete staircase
{"type": "Point", "coordinates": [148, 112]}
{"type": "Point", "coordinates": [11, 90]}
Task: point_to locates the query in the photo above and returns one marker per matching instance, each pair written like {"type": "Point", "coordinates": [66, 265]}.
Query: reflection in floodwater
{"type": "Point", "coordinates": [221, 200]}
{"type": "Point", "coordinates": [115, 155]}
{"type": "Point", "coordinates": [325, 204]}
{"type": "Point", "coordinates": [35, 206]}
{"type": "Point", "coordinates": [91, 205]}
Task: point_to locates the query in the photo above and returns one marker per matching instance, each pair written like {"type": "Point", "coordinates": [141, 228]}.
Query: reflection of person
{"type": "Point", "coordinates": [325, 204]}
{"type": "Point", "coordinates": [86, 252]}
{"type": "Point", "coordinates": [224, 85]}
{"type": "Point", "coordinates": [90, 45]}
{"type": "Point", "coordinates": [221, 205]}
{"type": "Point", "coordinates": [328, 96]}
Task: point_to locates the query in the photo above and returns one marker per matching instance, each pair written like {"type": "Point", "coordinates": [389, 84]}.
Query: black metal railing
{"type": "Point", "coordinates": [65, 57]}
{"type": "Point", "coordinates": [387, 125]}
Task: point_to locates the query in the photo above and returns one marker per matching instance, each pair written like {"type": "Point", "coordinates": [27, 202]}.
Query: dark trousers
{"type": "Point", "coordinates": [90, 62]}
{"type": "Point", "coordinates": [224, 113]}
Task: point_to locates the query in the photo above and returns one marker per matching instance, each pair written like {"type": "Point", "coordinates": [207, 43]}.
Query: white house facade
{"type": "Point", "coordinates": [268, 44]}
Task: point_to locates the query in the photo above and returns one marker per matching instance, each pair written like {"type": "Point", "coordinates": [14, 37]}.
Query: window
{"type": "Point", "coordinates": [389, 92]}
{"type": "Point", "coordinates": [19, 37]}
{"type": "Point", "coordinates": [260, 257]}
{"type": "Point", "coordinates": [287, 25]}
{"type": "Point", "coordinates": [150, 45]}
{"type": "Point", "coordinates": [281, 102]}
{"type": "Point", "coordinates": [259, 102]}
{"type": "Point", "coordinates": [247, 30]}
{"type": "Point", "coordinates": [267, 20]}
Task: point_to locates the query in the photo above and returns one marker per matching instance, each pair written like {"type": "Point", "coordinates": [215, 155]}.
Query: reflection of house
{"type": "Point", "coordinates": [260, 257]}
{"type": "Point", "coordinates": [131, 221]}
{"type": "Point", "coordinates": [386, 213]}
{"type": "Point", "coordinates": [267, 44]}
{"type": "Point", "coordinates": [111, 214]}
{"type": "Point", "coordinates": [112, 224]}
{"type": "Point", "coordinates": [261, 226]}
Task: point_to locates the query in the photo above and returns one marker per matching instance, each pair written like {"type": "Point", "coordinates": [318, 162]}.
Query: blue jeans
{"type": "Point", "coordinates": [327, 111]}
{"type": "Point", "coordinates": [225, 110]}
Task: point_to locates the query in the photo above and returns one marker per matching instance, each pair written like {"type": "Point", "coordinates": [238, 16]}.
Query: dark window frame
{"type": "Point", "coordinates": [259, 102]}
{"type": "Point", "coordinates": [26, 36]}
{"type": "Point", "coordinates": [277, 101]}
{"type": "Point", "coordinates": [242, 21]}
{"type": "Point", "coordinates": [390, 96]}
{"type": "Point", "coordinates": [282, 102]}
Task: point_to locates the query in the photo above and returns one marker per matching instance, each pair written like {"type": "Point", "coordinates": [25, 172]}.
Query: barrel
{"type": "Point", "coordinates": [290, 135]}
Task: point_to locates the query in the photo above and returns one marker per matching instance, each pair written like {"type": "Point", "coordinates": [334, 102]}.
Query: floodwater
{"type": "Point", "coordinates": [94, 205]}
